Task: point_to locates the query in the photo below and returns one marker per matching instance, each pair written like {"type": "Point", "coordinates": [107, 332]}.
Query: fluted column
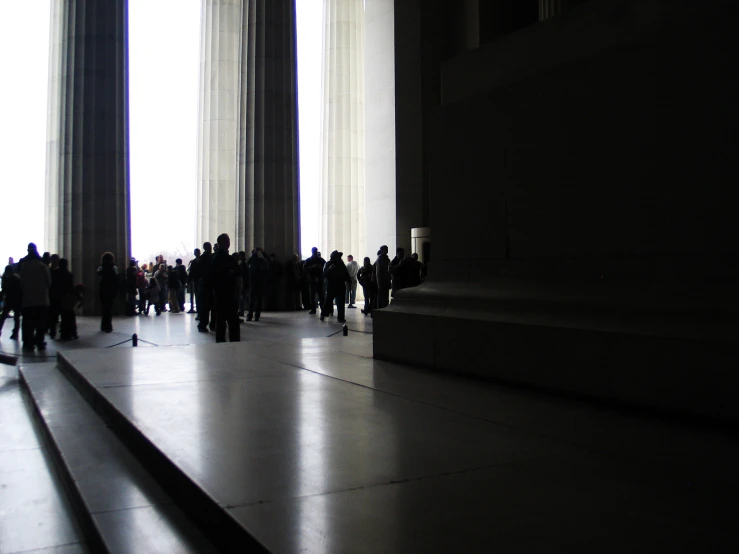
{"type": "Point", "coordinates": [343, 139]}
{"type": "Point", "coordinates": [268, 212]}
{"type": "Point", "coordinates": [550, 8]}
{"type": "Point", "coordinates": [87, 176]}
{"type": "Point", "coordinates": [248, 146]}
{"type": "Point", "coordinates": [218, 136]}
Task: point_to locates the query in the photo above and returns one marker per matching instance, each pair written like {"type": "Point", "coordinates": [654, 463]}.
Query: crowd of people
{"type": "Point", "coordinates": [225, 289]}
{"type": "Point", "coordinates": [40, 291]}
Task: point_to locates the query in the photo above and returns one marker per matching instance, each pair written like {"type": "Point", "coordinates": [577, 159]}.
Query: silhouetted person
{"type": "Point", "coordinates": [35, 281]}
{"type": "Point", "coordinates": [162, 278]}
{"type": "Point", "coordinates": [413, 271]}
{"type": "Point", "coordinates": [173, 286]}
{"type": "Point", "coordinates": [12, 295]}
{"type": "Point", "coordinates": [314, 272]}
{"type": "Point", "coordinates": [141, 285]}
{"type": "Point", "coordinates": [365, 277]}
{"type": "Point", "coordinates": [205, 294]}
{"type": "Point", "coordinates": [224, 280]}
{"type": "Point", "coordinates": [108, 290]}
{"type": "Point", "coordinates": [337, 279]}
{"type": "Point", "coordinates": [397, 271]}
{"type": "Point", "coordinates": [258, 277]}
{"type": "Point", "coordinates": [58, 288]}
{"type": "Point", "coordinates": [295, 276]}
{"type": "Point", "coordinates": [192, 280]}
{"type": "Point", "coordinates": [131, 287]}
{"type": "Point", "coordinates": [382, 278]}
{"type": "Point", "coordinates": [153, 291]}
{"type": "Point", "coordinates": [244, 274]}
{"type": "Point", "coordinates": [181, 271]}
{"type": "Point", "coordinates": [421, 268]}
{"type": "Point", "coordinates": [62, 283]}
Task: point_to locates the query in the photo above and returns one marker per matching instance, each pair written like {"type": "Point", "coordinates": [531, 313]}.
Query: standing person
{"type": "Point", "coordinates": [182, 279]}
{"type": "Point", "coordinates": [413, 271]}
{"type": "Point", "coordinates": [351, 290]}
{"type": "Point", "coordinates": [258, 277]}
{"type": "Point", "coordinates": [62, 281]}
{"type": "Point", "coordinates": [12, 294]}
{"type": "Point", "coordinates": [205, 293]}
{"type": "Point", "coordinates": [295, 282]}
{"type": "Point", "coordinates": [382, 277]}
{"type": "Point", "coordinates": [142, 288]}
{"type": "Point", "coordinates": [173, 286]}
{"type": "Point", "coordinates": [314, 273]}
{"type": "Point", "coordinates": [224, 281]}
{"type": "Point", "coordinates": [398, 271]}
{"type": "Point", "coordinates": [275, 280]}
{"type": "Point", "coordinates": [35, 282]}
{"type": "Point", "coordinates": [162, 280]}
{"type": "Point", "coordinates": [153, 291]}
{"type": "Point", "coordinates": [337, 279]}
{"type": "Point", "coordinates": [192, 280]}
{"type": "Point", "coordinates": [56, 293]}
{"type": "Point", "coordinates": [131, 287]}
{"type": "Point", "coordinates": [365, 276]}
{"type": "Point", "coordinates": [244, 273]}
{"type": "Point", "coordinates": [108, 285]}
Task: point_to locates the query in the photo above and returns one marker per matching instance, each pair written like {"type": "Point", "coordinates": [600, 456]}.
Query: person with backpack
{"type": "Point", "coordinates": [337, 279]}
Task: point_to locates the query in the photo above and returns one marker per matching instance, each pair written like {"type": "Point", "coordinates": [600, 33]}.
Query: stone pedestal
{"type": "Point", "coordinates": [342, 150]}
{"type": "Point", "coordinates": [87, 184]}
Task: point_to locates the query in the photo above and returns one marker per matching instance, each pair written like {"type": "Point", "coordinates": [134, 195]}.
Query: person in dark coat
{"type": "Point", "coordinates": [35, 281]}
{"type": "Point", "coordinates": [108, 289]}
{"type": "Point", "coordinates": [62, 281]}
{"type": "Point", "coordinates": [192, 281]}
{"type": "Point", "coordinates": [295, 277]}
{"type": "Point", "coordinates": [244, 274]}
{"type": "Point", "coordinates": [131, 287]}
{"type": "Point", "coordinates": [61, 284]}
{"type": "Point", "coordinates": [382, 278]}
{"type": "Point", "coordinates": [398, 271]}
{"type": "Point", "coordinates": [365, 276]}
{"type": "Point", "coordinates": [182, 278]}
{"type": "Point", "coordinates": [173, 288]}
{"type": "Point", "coordinates": [337, 278]}
{"type": "Point", "coordinates": [12, 295]}
{"type": "Point", "coordinates": [205, 292]}
{"type": "Point", "coordinates": [314, 273]}
{"type": "Point", "coordinates": [259, 275]}
{"type": "Point", "coordinates": [224, 283]}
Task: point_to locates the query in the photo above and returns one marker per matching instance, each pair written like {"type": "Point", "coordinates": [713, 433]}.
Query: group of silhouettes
{"type": "Point", "coordinates": [225, 289]}
{"type": "Point", "coordinates": [40, 291]}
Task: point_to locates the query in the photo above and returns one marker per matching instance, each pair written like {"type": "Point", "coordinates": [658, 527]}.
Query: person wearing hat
{"type": "Point", "coordinates": [337, 278]}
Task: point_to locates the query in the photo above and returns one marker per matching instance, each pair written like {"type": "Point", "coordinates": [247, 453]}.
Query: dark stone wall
{"type": "Point", "coordinates": [598, 145]}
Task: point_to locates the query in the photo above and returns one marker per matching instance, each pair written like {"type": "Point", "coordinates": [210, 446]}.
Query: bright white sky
{"type": "Point", "coordinates": [164, 42]}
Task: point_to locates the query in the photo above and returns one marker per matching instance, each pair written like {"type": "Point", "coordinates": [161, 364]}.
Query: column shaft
{"type": "Point", "coordinates": [550, 8]}
{"type": "Point", "coordinates": [343, 141]}
{"type": "Point", "coordinates": [87, 188]}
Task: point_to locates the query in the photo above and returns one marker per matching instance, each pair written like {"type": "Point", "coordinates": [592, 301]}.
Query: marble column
{"type": "Point", "coordinates": [218, 137]}
{"type": "Point", "coordinates": [248, 140]}
{"type": "Point", "coordinates": [87, 178]}
{"type": "Point", "coordinates": [267, 197]}
{"type": "Point", "coordinates": [550, 8]}
{"type": "Point", "coordinates": [343, 141]}
{"type": "Point", "coordinates": [380, 150]}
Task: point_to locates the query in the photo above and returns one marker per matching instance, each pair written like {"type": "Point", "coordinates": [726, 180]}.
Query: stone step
{"type": "Point", "coordinates": [214, 520]}
{"type": "Point", "coordinates": [121, 506]}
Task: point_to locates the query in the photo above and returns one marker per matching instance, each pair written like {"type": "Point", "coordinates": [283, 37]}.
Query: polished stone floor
{"type": "Point", "coordinates": [314, 446]}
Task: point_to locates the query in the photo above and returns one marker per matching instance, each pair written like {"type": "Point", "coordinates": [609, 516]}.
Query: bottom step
{"type": "Point", "coordinates": [121, 506]}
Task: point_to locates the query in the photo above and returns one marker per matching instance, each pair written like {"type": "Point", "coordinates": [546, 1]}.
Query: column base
{"type": "Point", "coordinates": [618, 346]}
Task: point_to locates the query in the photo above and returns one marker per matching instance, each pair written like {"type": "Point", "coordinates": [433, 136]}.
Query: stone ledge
{"type": "Point", "coordinates": [682, 365]}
